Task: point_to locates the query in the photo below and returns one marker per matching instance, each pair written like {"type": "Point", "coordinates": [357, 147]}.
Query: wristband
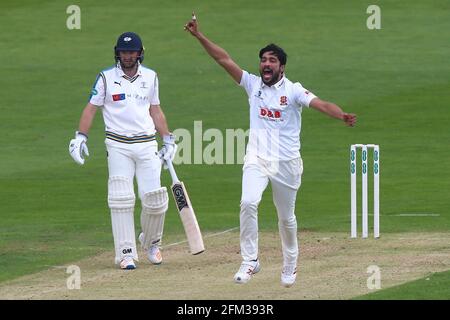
{"type": "Point", "coordinates": [169, 139]}
{"type": "Point", "coordinates": [81, 133]}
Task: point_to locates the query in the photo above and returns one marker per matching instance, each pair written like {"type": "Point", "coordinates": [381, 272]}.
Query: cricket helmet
{"type": "Point", "coordinates": [129, 41]}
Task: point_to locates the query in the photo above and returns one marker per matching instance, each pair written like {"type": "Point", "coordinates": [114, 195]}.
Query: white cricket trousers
{"type": "Point", "coordinates": [285, 177]}
{"type": "Point", "coordinates": [138, 160]}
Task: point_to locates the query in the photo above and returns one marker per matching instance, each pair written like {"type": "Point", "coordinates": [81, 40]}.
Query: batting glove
{"type": "Point", "coordinates": [168, 149]}
{"type": "Point", "coordinates": [78, 147]}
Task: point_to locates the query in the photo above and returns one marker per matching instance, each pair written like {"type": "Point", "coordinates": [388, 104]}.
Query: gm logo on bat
{"type": "Point", "coordinates": [180, 198]}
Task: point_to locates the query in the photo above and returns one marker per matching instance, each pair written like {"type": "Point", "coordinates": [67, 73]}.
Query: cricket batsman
{"type": "Point", "coordinates": [128, 96]}
{"type": "Point", "coordinates": [273, 149]}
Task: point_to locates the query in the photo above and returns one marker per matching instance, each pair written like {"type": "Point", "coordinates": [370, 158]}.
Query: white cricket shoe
{"type": "Point", "coordinates": [127, 263]}
{"type": "Point", "coordinates": [246, 271]}
{"type": "Point", "coordinates": [153, 253]}
{"type": "Point", "coordinates": [288, 276]}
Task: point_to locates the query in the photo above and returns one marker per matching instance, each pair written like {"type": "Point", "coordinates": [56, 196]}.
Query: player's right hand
{"type": "Point", "coordinates": [78, 148]}
{"type": "Point", "coordinates": [349, 119]}
{"type": "Point", "coordinates": [191, 25]}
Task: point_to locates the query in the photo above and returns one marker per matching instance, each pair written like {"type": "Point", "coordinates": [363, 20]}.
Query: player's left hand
{"type": "Point", "coordinates": [349, 119]}
{"type": "Point", "coordinates": [168, 149]}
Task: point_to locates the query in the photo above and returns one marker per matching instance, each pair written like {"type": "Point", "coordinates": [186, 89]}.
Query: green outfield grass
{"type": "Point", "coordinates": [395, 79]}
{"type": "Point", "coordinates": [433, 287]}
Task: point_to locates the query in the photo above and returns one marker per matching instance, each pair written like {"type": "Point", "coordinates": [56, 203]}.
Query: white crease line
{"type": "Point", "coordinates": [409, 215]}
{"type": "Point", "coordinates": [207, 236]}
{"type": "Point", "coordinates": [169, 245]}
{"type": "Point", "coordinates": [417, 215]}
{"type": "Point", "coordinates": [427, 239]}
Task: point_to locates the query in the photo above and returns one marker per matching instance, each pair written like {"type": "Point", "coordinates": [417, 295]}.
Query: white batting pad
{"type": "Point", "coordinates": [121, 201]}
{"type": "Point", "coordinates": [154, 206]}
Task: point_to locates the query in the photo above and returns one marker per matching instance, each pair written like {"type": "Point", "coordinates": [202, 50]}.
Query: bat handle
{"type": "Point", "coordinates": [173, 174]}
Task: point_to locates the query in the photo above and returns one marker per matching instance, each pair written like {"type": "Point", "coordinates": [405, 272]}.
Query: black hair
{"type": "Point", "coordinates": [277, 51]}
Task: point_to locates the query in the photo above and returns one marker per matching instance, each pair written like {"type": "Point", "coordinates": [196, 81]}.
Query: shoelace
{"type": "Point", "coordinates": [154, 249]}
{"type": "Point", "coordinates": [289, 270]}
{"type": "Point", "coordinates": [246, 267]}
{"type": "Point", "coordinates": [127, 260]}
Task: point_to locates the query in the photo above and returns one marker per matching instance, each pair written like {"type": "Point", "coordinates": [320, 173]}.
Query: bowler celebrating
{"type": "Point", "coordinates": [273, 150]}
{"type": "Point", "coordinates": [128, 96]}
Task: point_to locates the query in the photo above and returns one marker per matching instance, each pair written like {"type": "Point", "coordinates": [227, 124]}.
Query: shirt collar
{"type": "Point", "coordinates": [277, 85]}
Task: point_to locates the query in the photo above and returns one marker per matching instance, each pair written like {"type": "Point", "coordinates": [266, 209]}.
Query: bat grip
{"type": "Point", "coordinates": [173, 174]}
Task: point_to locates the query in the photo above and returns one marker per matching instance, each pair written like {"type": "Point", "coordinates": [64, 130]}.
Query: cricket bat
{"type": "Point", "coordinates": [186, 211]}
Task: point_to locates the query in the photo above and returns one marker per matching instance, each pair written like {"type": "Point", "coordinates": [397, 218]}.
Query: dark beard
{"type": "Point", "coordinates": [275, 78]}
{"type": "Point", "coordinates": [133, 66]}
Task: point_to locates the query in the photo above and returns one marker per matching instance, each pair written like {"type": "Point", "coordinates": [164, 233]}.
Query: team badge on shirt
{"type": "Point", "coordinates": [283, 101]}
{"type": "Point", "coordinates": [118, 97]}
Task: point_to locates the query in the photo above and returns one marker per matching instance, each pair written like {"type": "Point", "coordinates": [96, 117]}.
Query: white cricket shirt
{"type": "Point", "coordinates": [125, 103]}
{"type": "Point", "coordinates": [275, 117]}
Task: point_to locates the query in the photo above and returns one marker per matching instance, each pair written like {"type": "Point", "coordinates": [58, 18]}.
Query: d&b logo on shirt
{"type": "Point", "coordinates": [268, 114]}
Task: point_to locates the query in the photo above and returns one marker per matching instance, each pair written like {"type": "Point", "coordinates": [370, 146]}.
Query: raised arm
{"type": "Point", "coordinates": [333, 110]}
{"type": "Point", "coordinates": [216, 52]}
